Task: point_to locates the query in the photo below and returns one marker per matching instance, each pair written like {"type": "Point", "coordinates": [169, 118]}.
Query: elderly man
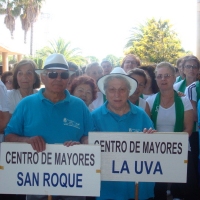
{"type": "Point", "coordinates": [107, 67]}
{"type": "Point", "coordinates": [52, 115]}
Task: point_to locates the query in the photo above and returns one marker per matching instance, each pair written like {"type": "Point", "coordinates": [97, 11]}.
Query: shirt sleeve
{"type": "Point", "coordinates": [3, 98]}
{"type": "Point", "coordinates": [16, 122]}
{"type": "Point", "coordinates": [187, 104]}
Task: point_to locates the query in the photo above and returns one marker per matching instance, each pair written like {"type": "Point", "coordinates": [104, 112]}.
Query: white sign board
{"type": "Point", "coordinates": [59, 170]}
{"type": "Point", "coordinates": [139, 157]}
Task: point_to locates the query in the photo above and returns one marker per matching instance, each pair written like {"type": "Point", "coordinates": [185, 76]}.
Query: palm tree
{"type": "Point", "coordinates": [62, 47]}
{"type": "Point", "coordinates": [11, 10]}
{"type": "Point", "coordinates": [31, 10]}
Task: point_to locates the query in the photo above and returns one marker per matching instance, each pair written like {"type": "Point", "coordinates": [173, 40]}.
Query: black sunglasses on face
{"type": "Point", "coordinates": [54, 75]}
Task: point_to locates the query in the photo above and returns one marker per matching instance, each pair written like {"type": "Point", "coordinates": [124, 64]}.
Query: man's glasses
{"type": "Point", "coordinates": [54, 75]}
{"type": "Point", "coordinates": [163, 76]}
{"type": "Point", "coordinates": [191, 66]}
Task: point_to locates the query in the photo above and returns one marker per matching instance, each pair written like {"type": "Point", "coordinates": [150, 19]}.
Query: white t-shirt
{"type": "Point", "coordinates": [142, 103]}
{"type": "Point", "coordinates": [3, 102]}
{"type": "Point", "coordinates": [97, 102]}
{"type": "Point", "coordinates": [3, 97]}
{"type": "Point", "coordinates": [14, 97]}
{"type": "Point", "coordinates": [145, 96]}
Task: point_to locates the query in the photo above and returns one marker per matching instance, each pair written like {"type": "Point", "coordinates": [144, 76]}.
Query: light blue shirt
{"type": "Point", "coordinates": [68, 119]}
{"type": "Point", "coordinates": [133, 121]}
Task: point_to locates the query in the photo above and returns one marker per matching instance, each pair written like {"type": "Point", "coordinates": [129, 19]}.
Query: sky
{"type": "Point", "coordinates": [102, 27]}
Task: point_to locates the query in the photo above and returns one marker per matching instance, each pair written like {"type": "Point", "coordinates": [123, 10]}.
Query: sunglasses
{"type": "Point", "coordinates": [54, 75]}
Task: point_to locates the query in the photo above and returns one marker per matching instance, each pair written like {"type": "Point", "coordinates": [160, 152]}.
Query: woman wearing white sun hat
{"type": "Point", "coordinates": [118, 114]}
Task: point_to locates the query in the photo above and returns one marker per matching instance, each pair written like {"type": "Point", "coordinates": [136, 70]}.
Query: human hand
{"type": "Point", "coordinates": [180, 94]}
{"type": "Point", "coordinates": [149, 131]}
{"type": "Point", "coordinates": [37, 142]}
{"type": "Point", "coordinates": [71, 143]}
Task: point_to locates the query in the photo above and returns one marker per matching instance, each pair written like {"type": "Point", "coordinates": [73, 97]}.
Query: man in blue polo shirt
{"type": "Point", "coordinates": [52, 115]}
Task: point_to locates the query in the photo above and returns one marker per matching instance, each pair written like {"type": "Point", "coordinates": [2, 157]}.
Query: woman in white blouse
{"type": "Point", "coordinates": [25, 82]}
{"type": "Point", "coordinates": [171, 113]}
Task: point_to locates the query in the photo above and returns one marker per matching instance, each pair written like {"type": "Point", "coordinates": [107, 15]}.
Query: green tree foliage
{"type": "Point", "coordinates": [62, 47]}
{"type": "Point", "coordinates": [115, 61]}
{"type": "Point", "coordinates": [91, 59]}
{"type": "Point", "coordinates": [154, 42]}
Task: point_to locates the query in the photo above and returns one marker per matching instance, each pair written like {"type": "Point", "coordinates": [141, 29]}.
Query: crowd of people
{"type": "Point", "coordinates": [104, 98]}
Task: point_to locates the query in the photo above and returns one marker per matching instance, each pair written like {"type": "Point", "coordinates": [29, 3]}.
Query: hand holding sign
{"type": "Point", "coordinates": [37, 142]}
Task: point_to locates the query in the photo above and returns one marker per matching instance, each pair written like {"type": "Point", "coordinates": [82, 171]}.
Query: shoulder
{"type": "Point", "coordinates": [177, 85]}
{"type": "Point", "coordinates": [186, 103]}
{"type": "Point", "coordinates": [150, 100]}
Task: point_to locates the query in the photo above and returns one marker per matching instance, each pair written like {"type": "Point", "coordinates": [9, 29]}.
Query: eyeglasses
{"type": "Point", "coordinates": [191, 66]}
{"type": "Point", "coordinates": [129, 61]}
{"type": "Point", "coordinates": [163, 76]}
{"type": "Point", "coordinates": [54, 75]}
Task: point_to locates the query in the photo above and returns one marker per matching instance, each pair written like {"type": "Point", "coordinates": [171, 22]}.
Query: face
{"type": "Point", "coordinates": [84, 92]}
{"type": "Point", "coordinates": [129, 63]}
{"type": "Point", "coordinates": [107, 68]}
{"type": "Point", "coordinates": [117, 93]}
{"type": "Point", "coordinates": [95, 72]}
{"type": "Point", "coordinates": [190, 72]}
{"type": "Point", "coordinates": [165, 78]}
{"type": "Point", "coordinates": [9, 82]}
{"type": "Point", "coordinates": [26, 77]}
{"type": "Point", "coordinates": [141, 85]}
{"type": "Point", "coordinates": [57, 84]}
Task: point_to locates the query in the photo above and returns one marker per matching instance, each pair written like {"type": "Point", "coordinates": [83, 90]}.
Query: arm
{"type": "Point", "coordinates": [4, 118]}
{"type": "Point", "coordinates": [37, 142]}
{"type": "Point", "coordinates": [194, 105]}
{"type": "Point", "coordinates": [188, 121]}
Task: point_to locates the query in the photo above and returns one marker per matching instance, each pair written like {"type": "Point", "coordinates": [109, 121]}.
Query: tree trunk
{"type": "Point", "coordinates": [31, 40]}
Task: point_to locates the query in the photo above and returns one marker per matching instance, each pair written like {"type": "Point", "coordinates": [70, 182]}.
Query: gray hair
{"type": "Point", "coordinates": [109, 78]}
{"type": "Point", "coordinates": [166, 65]}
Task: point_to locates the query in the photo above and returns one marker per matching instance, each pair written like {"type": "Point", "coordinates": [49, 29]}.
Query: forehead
{"type": "Point", "coordinates": [106, 64]}
{"type": "Point", "coordinates": [84, 86]}
{"type": "Point", "coordinates": [95, 68]}
{"type": "Point", "coordinates": [191, 62]}
{"type": "Point", "coordinates": [26, 67]}
{"type": "Point", "coordinates": [163, 69]}
{"type": "Point", "coordinates": [130, 58]}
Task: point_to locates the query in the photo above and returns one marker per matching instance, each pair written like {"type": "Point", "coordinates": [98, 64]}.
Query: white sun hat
{"type": "Point", "coordinates": [117, 71]}
{"type": "Point", "coordinates": [55, 61]}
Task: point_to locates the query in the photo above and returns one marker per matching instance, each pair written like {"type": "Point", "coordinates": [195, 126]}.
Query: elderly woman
{"type": "Point", "coordinates": [190, 67]}
{"type": "Point", "coordinates": [179, 114]}
{"type": "Point", "coordinates": [25, 82]}
{"type": "Point", "coordinates": [7, 79]}
{"type": "Point", "coordinates": [140, 76]}
{"type": "Point", "coordinates": [131, 61]}
{"type": "Point", "coordinates": [95, 71]}
{"type": "Point", "coordinates": [118, 114]}
{"type": "Point", "coordinates": [85, 88]}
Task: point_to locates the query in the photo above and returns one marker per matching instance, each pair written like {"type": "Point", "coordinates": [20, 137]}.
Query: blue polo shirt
{"type": "Point", "coordinates": [68, 119]}
{"type": "Point", "coordinates": [133, 121]}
